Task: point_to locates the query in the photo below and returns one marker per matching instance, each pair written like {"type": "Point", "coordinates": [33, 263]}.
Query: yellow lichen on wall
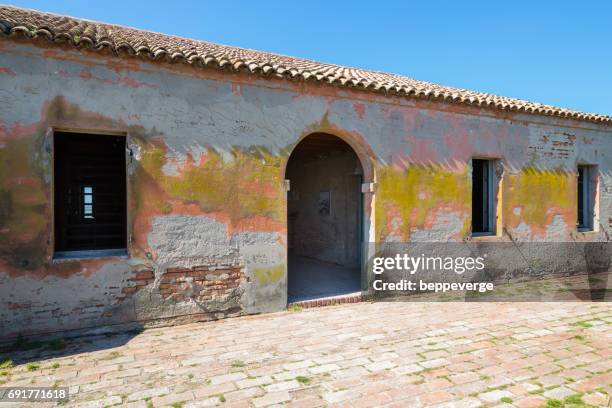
{"type": "Point", "coordinates": [266, 276]}
{"type": "Point", "coordinates": [410, 198]}
{"type": "Point", "coordinates": [242, 189]}
{"type": "Point", "coordinates": [534, 197]}
{"type": "Point", "coordinates": [242, 186]}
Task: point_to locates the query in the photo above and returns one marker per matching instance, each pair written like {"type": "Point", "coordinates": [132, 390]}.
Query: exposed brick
{"type": "Point", "coordinates": [176, 270]}
{"type": "Point", "coordinates": [200, 283]}
{"type": "Point", "coordinates": [14, 306]}
{"type": "Point", "coordinates": [148, 274]}
{"type": "Point", "coordinates": [197, 274]}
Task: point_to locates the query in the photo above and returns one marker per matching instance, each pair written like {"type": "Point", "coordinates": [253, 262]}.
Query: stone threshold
{"type": "Point", "coordinates": [354, 297]}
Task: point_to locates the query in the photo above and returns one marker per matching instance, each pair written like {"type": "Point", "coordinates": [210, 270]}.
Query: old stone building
{"type": "Point", "coordinates": [148, 179]}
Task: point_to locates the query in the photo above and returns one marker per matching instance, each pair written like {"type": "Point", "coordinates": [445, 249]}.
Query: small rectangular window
{"type": "Point", "coordinates": [90, 192]}
{"type": "Point", "coordinates": [483, 197]}
{"type": "Point", "coordinates": [587, 179]}
{"type": "Point", "coordinates": [88, 202]}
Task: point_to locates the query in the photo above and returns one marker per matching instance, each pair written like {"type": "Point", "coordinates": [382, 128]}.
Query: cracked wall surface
{"type": "Point", "coordinates": [206, 163]}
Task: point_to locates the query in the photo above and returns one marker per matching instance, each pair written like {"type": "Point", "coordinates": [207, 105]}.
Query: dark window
{"type": "Point", "coordinates": [483, 218]}
{"type": "Point", "coordinates": [90, 192]}
{"type": "Point", "coordinates": [585, 197]}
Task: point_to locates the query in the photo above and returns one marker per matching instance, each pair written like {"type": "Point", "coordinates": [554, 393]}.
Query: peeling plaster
{"type": "Point", "coordinates": [206, 178]}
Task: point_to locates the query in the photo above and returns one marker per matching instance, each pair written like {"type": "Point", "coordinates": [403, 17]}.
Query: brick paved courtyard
{"type": "Point", "coordinates": [356, 355]}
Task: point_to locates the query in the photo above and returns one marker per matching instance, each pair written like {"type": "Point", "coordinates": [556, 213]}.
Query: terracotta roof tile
{"type": "Point", "coordinates": [129, 41]}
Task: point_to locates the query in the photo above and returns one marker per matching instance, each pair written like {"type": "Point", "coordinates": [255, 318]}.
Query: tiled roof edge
{"type": "Point", "coordinates": [124, 41]}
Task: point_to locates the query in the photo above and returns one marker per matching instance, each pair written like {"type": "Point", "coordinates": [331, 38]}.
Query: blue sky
{"type": "Point", "coordinates": [558, 52]}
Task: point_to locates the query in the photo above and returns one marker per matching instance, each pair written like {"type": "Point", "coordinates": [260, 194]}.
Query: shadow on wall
{"type": "Point", "coordinates": [569, 272]}
{"type": "Point", "coordinates": [510, 271]}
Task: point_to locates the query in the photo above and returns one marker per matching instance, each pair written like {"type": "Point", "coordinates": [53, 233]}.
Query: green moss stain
{"type": "Point", "coordinates": [413, 195]}
{"type": "Point", "coordinates": [410, 197]}
{"type": "Point", "coordinates": [540, 195]}
{"type": "Point", "coordinates": [266, 276]}
{"type": "Point", "coordinates": [246, 184]}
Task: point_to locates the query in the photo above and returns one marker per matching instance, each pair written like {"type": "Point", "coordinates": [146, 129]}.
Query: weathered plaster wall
{"type": "Point", "coordinates": [205, 184]}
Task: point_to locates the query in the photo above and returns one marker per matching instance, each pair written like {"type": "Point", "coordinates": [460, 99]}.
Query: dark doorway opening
{"type": "Point", "coordinates": [90, 192]}
{"type": "Point", "coordinates": [324, 219]}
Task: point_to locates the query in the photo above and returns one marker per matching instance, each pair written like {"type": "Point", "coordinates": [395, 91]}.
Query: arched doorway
{"type": "Point", "coordinates": [324, 218]}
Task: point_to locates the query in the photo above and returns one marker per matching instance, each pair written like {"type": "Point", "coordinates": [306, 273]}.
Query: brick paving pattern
{"type": "Point", "coordinates": [393, 354]}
